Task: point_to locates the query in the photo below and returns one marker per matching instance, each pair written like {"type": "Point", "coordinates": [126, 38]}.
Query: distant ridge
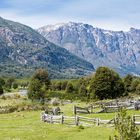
{"type": "Point", "coordinates": [116, 49]}
{"type": "Point", "coordinates": [23, 50]}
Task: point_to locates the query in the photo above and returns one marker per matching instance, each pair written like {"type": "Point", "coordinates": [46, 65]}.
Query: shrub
{"type": "Point", "coordinates": [125, 127]}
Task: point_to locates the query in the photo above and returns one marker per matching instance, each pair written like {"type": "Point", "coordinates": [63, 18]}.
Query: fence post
{"type": "Point", "coordinates": [74, 110]}
{"type": "Point", "coordinates": [42, 116]}
{"type": "Point", "coordinates": [62, 119]}
{"type": "Point", "coordinates": [51, 119]}
{"type": "Point", "coordinates": [133, 119]}
{"type": "Point", "coordinates": [77, 120]}
{"type": "Point", "coordinates": [91, 109]}
{"type": "Point", "coordinates": [97, 122]}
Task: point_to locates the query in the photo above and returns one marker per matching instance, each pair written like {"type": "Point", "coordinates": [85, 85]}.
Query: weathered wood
{"type": "Point", "coordinates": [77, 120]}
{"type": "Point", "coordinates": [77, 109]}
{"type": "Point", "coordinates": [136, 119]}
{"type": "Point", "coordinates": [97, 122]}
{"type": "Point", "coordinates": [62, 119]}
{"type": "Point", "coordinates": [51, 119]}
{"type": "Point", "coordinates": [81, 120]}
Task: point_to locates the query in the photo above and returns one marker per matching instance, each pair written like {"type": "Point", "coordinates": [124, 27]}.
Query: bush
{"type": "Point", "coordinates": [15, 85]}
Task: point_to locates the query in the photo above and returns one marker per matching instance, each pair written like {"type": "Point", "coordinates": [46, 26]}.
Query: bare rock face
{"type": "Point", "coordinates": [116, 49]}
{"type": "Point", "coordinates": [23, 50]}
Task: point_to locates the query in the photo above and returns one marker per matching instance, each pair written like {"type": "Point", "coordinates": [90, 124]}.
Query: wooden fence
{"type": "Point", "coordinates": [81, 120]}
{"type": "Point", "coordinates": [107, 107]}
{"type": "Point", "coordinates": [74, 120]}
{"type": "Point", "coordinates": [77, 110]}
{"type": "Point", "coordinates": [136, 119]}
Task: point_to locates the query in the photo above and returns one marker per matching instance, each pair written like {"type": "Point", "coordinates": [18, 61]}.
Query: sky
{"type": "Point", "coordinates": [107, 14]}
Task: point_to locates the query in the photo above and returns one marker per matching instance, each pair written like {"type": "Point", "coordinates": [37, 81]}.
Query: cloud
{"type": "Point", "coordinates": [107, 14]}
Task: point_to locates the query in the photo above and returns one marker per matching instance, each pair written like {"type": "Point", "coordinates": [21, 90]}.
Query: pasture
{"type": "Point", "coordinates": [26, 125]}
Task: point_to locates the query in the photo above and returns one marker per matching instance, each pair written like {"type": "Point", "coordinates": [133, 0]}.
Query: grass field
{"type": "Point", "coordinates": [27, 126]}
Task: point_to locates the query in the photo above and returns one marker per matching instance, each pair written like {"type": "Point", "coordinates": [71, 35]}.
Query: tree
{"type": "Point", "coordinates": [134, 85]}
{"type": "Point", "coordinates": [58, 85]}
{"type": "Point", "coordinates": [127, 82]}
{"type": "Point", "coordinates": [38, 85]}
{"type": "Point", "coordinates": [2, 81]}
{"type": "Point", "coordinates": [69, 88]}
{"type": "Point", "coordinates": [82, 91]}
{"type": "Point", "coordinates": [106, 84]}
{"type": "Point", "coordinates": [42, 76]}
{"type": "Point", "coordinates": [125, 127]}
{"type": "Point", "coordinates": [1, 90]}
{"type": "Point", "coordinates": [138, 89]}
{"type": "Point", "coordinates": [15, 85]}
{"type": "Point", "coordinates": [35, 90]}
{"type": "Point", "coordinates": [64, 85]}
{"type": "Point", "coordinates": [9, 82]}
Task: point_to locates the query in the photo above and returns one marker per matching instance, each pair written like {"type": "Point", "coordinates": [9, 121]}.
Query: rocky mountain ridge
{"type": "Point", "coordinates": [116, 49]}
{"type": "Point", "coordinates": [23, 50]}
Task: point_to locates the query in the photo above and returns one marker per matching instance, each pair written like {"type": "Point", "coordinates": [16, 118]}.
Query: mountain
{"type": "Point", "coordinates": [23, 50]}
{"type": "Point", "coordinates": [116, 49]}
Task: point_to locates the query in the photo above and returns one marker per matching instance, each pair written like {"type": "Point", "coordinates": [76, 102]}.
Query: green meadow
{"type": "Point", "coordinates": [26, 125]}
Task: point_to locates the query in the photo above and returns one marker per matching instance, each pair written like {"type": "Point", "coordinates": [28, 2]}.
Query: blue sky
{"type": "Point", "coordinates": [107, 14]}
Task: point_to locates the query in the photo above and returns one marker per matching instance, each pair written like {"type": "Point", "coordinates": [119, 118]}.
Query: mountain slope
{"type": "Point", "coordinates": [24, 50]}
{"type": "Point", "coordinates": [116, 49]}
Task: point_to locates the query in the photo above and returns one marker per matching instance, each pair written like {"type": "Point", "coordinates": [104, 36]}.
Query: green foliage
{"type": "Point", "coordinates": [9, 82]}
{"type": "Point", "coordinates": [2, 81]}
{"type": "Point", "coordinates": [106, 84]}
{"type": "Point", "coordinates": [138, 89]}
{"type": "Point", "coordinates": [1, 90]}
{"type": "Point", "coordinates": [69, 88]}
{"type": "Point", "coordinates": [42, 76]}
{"type": "Point", "coordinates": [15, 85]}
{"type": "Point", "coordinates": [35, 90]}
{"type": "Point", "coordinates": [134, 84]}
{"type": "Point", "coordinates": [56, 85]}
{"type": "Point", "coordinates": [64, 85]}
{"type": "Point", "coordinates": [125, 127]}
{"type": "Point", "coordinates": [82, 91]}
{"type": "Point", "coordinates": [38, 85]}
{"type": "Point", "coordinates": [127, 82]}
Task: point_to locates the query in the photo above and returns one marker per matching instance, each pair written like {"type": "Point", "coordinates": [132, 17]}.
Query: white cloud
{"type": "Point", "coordinates": [106, 14]}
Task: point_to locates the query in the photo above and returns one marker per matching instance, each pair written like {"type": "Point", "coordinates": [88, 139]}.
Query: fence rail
{"type": "Point", "coordinates": [78, 120]}
{"type": "Point", "coordinates": [75, 120]}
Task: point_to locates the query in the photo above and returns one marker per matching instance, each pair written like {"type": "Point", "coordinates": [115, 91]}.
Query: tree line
{"type": "Point", "coordinates": [9, 83]}
{"type": "Point", "coordinates": [103, 84]}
